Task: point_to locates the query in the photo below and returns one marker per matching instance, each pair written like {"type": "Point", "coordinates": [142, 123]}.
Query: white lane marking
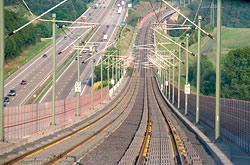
{"type": "Point", "coordinates": [29, 65]}
{"type": "Point", "coordinates": [99, 58]}
{"type": "Point", "coordinates": [56, 81]}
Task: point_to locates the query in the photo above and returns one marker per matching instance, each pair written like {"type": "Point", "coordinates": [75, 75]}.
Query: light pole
{"type": "Point", "coordinates": [54, 71]}
{"type": "Point", "coordinates": [186, 95]}
{"type": "Point", "coordinates": [198, 74]}
{"type": "Point", "coordinates": [1, 69]}
{"type": "Point", "coordinates": [217, 110]}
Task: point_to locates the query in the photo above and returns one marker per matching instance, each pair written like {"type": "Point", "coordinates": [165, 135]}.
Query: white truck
{"type": "Point", "coordinates": [119, 10]}
{"type": "Point", "coordinates": [105, 37]}
{"type": "Point", "coordinates": [122, 3]}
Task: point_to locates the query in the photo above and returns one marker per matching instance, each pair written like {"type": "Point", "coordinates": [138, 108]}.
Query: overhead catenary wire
{"type": "Point", "coordinates": [30, 22]}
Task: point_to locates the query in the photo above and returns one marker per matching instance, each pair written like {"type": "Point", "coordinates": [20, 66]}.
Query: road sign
{"type": "Point", "coordinates": [78, 87]}
{"type": "Point", "coordinates": [166, 83]}
{"type": "Point", "coordinates": [187, 89]}
{"type": "Point", "coordinates": [123, 23]}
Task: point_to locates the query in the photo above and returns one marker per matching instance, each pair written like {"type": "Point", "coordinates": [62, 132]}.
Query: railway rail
{"type": "Point", "coordinates": [137, 128]}
{"type": "Point", "coordinates": [49, 153]}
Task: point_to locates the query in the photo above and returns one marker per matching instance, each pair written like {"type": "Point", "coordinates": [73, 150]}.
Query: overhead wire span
{"type": "Point", "coordinates": [38, 17]}
{"type": "Point", "coordinates": [203, 31]}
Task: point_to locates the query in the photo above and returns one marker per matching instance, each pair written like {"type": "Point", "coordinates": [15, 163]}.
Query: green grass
{"type": "Point", "coordinates": [28, 54]}
{"type": "Point", "coordinates": [232, 38]}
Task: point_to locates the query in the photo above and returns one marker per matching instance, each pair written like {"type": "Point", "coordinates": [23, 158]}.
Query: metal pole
{"type": "Point", "coordinates": [92, 80]}
{"type": "Point", "coordinates": [78, 78]}
{"type": "Point", "coordinates": [198, 74]}
{"type": "Point", "coordinates": [166, 77]}
{"type": "Point", "coordinates": [1, 69]}
{"type": "Point", "coordinates": [169, 79]}
{"type": "Point", "coordinates": [173, 83]}
{"type": "Point", "coordinates": [112, 63]}
{"type": "Point", "coordinates": [116, 56]}
{"type": "Point", "coordinates": [179, 79]}
{"type": "Point", "coordinates": [101, 83]}
{"type": "Point", "coordinates": [54, 72]}
{"type": "Point", "coordinates": [186, 96]}
{"type": "Point", "coordinates": [217, 111]}
{"type": "Point", "coordinates": [108, 79]}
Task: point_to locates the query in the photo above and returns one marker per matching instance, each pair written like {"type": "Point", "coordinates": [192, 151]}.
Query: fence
{"type": "Point", "coordinates": [24, 120]}
{"type": "Point", "coordinates": [234, 116]}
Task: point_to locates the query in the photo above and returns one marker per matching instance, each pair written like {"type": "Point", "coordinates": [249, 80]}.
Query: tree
{"type": "Point", "coordinates": [207, 77]}
{"type": "Point", "coordinates": [235, 75]}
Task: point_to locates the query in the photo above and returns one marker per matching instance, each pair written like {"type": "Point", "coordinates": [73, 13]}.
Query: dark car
{"type": "Point", "coordinates": [107, 26]}
{"type": "Point", "coordinates": [45, 56]}
{"type": "Point", "coordinates": [6, 99]}
{"type": "Point", "coordinates": [23, 82]}
{"type": "Point", "coordinates": [12, 92]}
{"type": "Point", "coordinates": [4, 105]}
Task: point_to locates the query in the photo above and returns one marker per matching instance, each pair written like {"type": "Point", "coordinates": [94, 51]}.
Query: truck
{"type": "Point", "coordinates": [119, 10]}
{"type": "Point", "coordinates": [122, 3]}
{"type": "Point", "coordinates": [84, 18]}
{"type": "Point", "coordinates": [95, 6]}
{"type": "Point", "coordinates": [105, 37]}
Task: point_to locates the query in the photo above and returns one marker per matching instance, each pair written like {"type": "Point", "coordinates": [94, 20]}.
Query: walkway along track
{"type": "Point", "coordinates": [60, 150]}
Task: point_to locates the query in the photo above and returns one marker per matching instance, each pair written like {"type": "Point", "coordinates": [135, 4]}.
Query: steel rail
{"type": "Point", "coordinates": [174, 137]}
{"type": "Point", "coordinates": [58, 141]}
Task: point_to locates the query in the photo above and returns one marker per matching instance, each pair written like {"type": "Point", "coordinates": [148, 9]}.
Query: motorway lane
{"type": "Point", "coordinates": [65, 84]}
{"type": "Point", "coordinates": [116, 20]}
{"type": "Point", "coordinates": [38, 69]}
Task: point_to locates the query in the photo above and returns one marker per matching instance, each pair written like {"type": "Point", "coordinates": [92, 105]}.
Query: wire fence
{"type": "Point", "coordinates": [24, 120]}
{"type": "Point", "coordinates": [234, 116]}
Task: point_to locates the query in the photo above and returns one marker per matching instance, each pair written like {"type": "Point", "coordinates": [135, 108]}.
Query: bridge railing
{"type": "Point", "coordinates": [24, 120]}
{"type": "Point", "coordinates": [234, 116]}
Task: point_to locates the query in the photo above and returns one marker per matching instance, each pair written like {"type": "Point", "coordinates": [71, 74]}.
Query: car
{"type": "Point", "coordinates": [84, 51]}
{"type": "Point", "coordinates": [23, 82]}
{"type": "Point", "coordinates": [6, 99]}
{"type": "Point", "coordinates": [12, 92]}
{"type": "Point", "coordinates": [80, 56]}
{"type": "Point", "coordinates": [4, 105]}
{"type": "Point", "coordinates": [44, 55]}
{"type": "Point", "coordinates": [107, 26]}
{"type": "Point", "coordinates": [103, 32]}
{"type": "Point", "coordinates": [93, 60]}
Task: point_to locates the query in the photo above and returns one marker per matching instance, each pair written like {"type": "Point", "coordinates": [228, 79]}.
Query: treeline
{"type": "Point", "coordinates": [28, 36]}
{"type": "Point", "coordinates": [235, 13]}
{"type": "Point", "coordinates": [15, 44]}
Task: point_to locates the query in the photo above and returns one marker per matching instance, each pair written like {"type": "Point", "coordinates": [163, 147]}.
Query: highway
{"type": "Point", "coordinates": [39, 69]}
{"type": "Point", "coordinates": [65, 84]}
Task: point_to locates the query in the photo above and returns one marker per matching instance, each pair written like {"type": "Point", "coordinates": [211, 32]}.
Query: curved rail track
{"type": "Point", "coordinates": [43, 155]}
{"type": "Point", "coordinates": [137, 128]}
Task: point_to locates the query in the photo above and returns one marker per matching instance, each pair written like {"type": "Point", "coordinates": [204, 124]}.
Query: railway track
{"type": "Point", "coordinates": [67, 142]}
{"type": "Point", "coordinates": [137, 128]}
